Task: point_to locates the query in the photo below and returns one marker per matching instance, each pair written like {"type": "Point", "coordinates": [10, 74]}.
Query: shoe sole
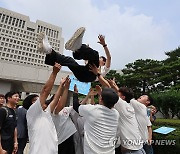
{"type": "Point", "coordinates": [70, 43]}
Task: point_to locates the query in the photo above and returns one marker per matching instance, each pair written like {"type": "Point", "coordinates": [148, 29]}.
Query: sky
{"type": "Point", "coordinates": [133, 29]}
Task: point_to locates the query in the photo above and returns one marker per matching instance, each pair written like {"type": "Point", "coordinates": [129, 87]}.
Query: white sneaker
{"type": "Point", "coordinates": [75, 41]}
{"type": "Point", "coordinates": [43, 45]}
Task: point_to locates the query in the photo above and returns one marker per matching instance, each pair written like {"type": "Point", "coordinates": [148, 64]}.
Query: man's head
{"type": "Point", "coordinates": [145, 99]}
{"type": "Point", "coordinates": [102, 61]}
{"type": "Point", "coordinates": [125, 94]}
{"type": "Point", "coordinates": [153, 109]}
{"type": "Point", "coordinates": [109, 97]}
{"type": "Point", "coordinates": [12, 98]}
{"type": "Point", "coordinates": [2, 99]}
{"type": "Point", "coordinates": [29, 100]}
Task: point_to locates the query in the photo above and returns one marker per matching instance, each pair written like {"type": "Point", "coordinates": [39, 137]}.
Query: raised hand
{"type": "Point", "coordinates": [94, 69]}
{"type": "Point", "coordinates": [67, 83]}
{"type": "Point", "coordinates": [3, 152]}
{"type": "Point", "coordinates": [63, 80]}
{"type": "Point", "coordinates": [92, 92]}
{"type": "Point", "coordinates": [113, 85]}
{"type": "Point", "coordinates": [101, 40]}
{"type": "Point", "coordinates": [98, 89]}
{"type": "Point", "coordinates": [56, 68]}
{"type": "Point", "coordinates": [15, 148]}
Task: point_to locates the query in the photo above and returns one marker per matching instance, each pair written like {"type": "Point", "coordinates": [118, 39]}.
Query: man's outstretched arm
{"type": "Point", "coordinates": [57, 95]}
{"type": "Point", "coordinates": [48, 85]}
{"type": "Point", "coordinates": [108, 55]}
{"type": "Point", "coordinates": [63, 100]}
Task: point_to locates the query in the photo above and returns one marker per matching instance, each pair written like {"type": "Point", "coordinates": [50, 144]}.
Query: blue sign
{"type": "Point", "coordinates": [83, 88]}
{"type": "Point", "coordinates": [164, 130]}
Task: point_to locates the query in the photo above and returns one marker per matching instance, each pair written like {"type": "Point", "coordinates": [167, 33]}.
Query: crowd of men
{"type": "Point", "coordinates": [117, 123]}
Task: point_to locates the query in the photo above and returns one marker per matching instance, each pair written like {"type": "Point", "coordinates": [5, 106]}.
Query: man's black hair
{"type": "Point", "coordinates": [104, 58]}
{"type": "Point", "coordinates": [28, 101]}
{"type": "Point", "coordinates": [10, 94]}
{"type": "Point", "coordinates": [1, 95]}
{"type": "Point", "coordinates": [127, 92]}
{"type": "Point", "coordinates": [109, 97]}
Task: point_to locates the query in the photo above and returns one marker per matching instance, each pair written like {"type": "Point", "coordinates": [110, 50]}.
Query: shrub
{"type": "Point", "coordinates": [171, 137]}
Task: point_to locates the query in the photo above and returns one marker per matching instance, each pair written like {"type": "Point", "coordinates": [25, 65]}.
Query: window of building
{"type": "Point", "coordinates": [20, 23]}
{"type": "Point", "coordinates": [23, 24]}
{"type": "Point", "coordinates": [17, 21]}
{"type": "Point", "coordinates": [3, 17]}
{"type": "Point", "coordinates": [6, 20]}
{"type": "Point", "coordinates": [10, 20]}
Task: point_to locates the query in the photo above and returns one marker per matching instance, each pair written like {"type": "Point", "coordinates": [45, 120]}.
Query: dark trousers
{"type": "Point", "coordinates": [21, 145]}
{"type": "Point", "coordinates": [118, 150]}
{"type": "Point", "coordinates": [81, 72]}
{"type": "Point", "coordinates": [148, 149]}
{"type": "Point", "coordinates": [8, 145]}
{"type": "Point", "coordinates": [67, 147]}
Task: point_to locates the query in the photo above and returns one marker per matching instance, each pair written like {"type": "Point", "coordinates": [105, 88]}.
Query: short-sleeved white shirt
{"type": "Point", "coordinates": [129, 132]}
{"type": "Point", "coordinates": [41, 130]}
{"type": "Point", "coordinates": [64, 125]}
{"type": "Point", "coordinates": [142, 118]}
{"type": "Point", "coordinates": [99, 129]}
{"type": "Point", "coordinates": [104, 70]}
